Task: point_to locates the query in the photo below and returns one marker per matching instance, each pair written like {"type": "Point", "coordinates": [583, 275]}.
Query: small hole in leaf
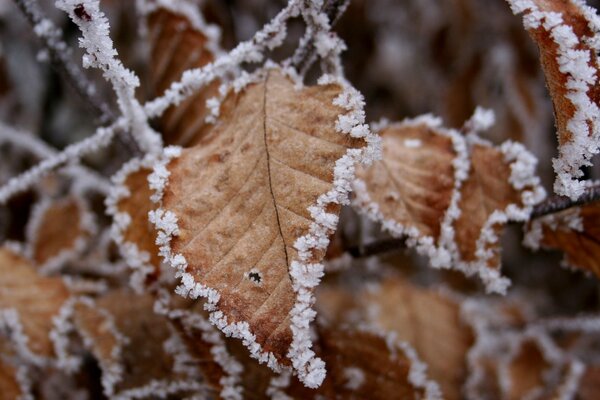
{"type": "Point", "coordinates": [255, 277]}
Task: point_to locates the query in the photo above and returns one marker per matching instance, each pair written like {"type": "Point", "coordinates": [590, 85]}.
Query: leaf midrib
{"type": "Point", "coordinates": [264, 109]}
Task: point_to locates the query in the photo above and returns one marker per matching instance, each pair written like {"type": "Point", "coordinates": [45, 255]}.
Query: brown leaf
{"type": "Point", "coordinates": [260, 189]}
{"type": "Point", "coordinates": [417, 316]}
{"type": "Point", "coordinates": [563, 31]}
{"type": "Point", "coordinates": [589, 385]}
{"type": "Point", "coordinates": [10, 387]}
{"type": "Point", "coordinates": [413, 183]}
{"type": "Point", "coordinates": [177, 44]}
{"type": "Point", "coordinates": [57, 231]}
{"type": "Point", "coordinates": [575, 231]}
{"type": "Point", "coordinates": [36, 300]}
{"type": "Point", "coordinates": [128, 339]}
{"type": "Point", "coordinates": [128, 205]}
{"type": "Point", "coordinates": [363, 364]}
{"type": "Point", "coordinates": [487, 190]}
{"type": "Point", "coordinates": [449, 195]}
{"type": "Point", "coordinates": [526, 369]}
{"type": "Point", "coordinates": [105, 343]}
{"type": "Point", "coordinates": [421, 317]}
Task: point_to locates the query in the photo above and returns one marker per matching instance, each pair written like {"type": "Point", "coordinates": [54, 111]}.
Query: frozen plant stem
{"type": "Point", "coordinates": [60, 57]}
{"type": "Point", "coordinates": [101, 54]}
{"type": "Point", "coordinates": [306, 54]}
{"type": "Point", "coordinates": [556, 203]}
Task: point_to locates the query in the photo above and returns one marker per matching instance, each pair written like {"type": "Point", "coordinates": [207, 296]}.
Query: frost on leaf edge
{"type": "Point", "coordinates": [305, 275]}
{"type": "Point", "coordinates": [444, 254]}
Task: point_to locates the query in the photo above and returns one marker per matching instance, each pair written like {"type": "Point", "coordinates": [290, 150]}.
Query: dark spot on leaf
{"type": "Point", "coordinates": [255, 277]}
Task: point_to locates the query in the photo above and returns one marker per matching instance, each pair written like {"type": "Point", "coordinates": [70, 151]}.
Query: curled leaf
{"type": "Point", "coordinates": [565, 32]}
{"type": "Point", "coordinates": [130, 342]}
{"type": "Point", "coordinates": [449, 195]}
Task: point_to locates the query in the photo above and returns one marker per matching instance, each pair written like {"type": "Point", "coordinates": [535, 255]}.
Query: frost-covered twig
{"type": "Point", "coordinates": [377, 247]}
{"type": "Point", "coordinates": [100, 53]}
{"type": "Point", "coordinates": [60, 56]}
{"type": "Point", "coordinates": [41, 150]}
{"type": "Point", "coordinates": [555, 203]}
{"type": "Point", "coordinates": [306, 54]}
{"type": "Point", "coordinates": [71, 153]}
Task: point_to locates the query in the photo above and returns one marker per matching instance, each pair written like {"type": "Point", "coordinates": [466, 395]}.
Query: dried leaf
{"type": "Point", "coordinates": [413, 184]}
{"type": "Point", "coordinates": [449, 195]}
{"type": "Point", "coordinates": [565, 32]}
{"type": "Point", "coordinates": [10, 385]}
{"type": "Point", "coordinates": [105, 343]}
{"type": "Point", "coordinates": [575, 231]}
{"type": "Point", "coordinates": [589, 386]}
{"type": "Point", "coordinates": [421, 317]}
{"type": "Point", "coordinates": [526, 370]}
{"type": "Point", "coordinates": [57, 231]}
{"type": "Point", "coordinates": [178, 44]}
{"type": "Point", "coordinates": [35, 299]}
{"type": "Point", "coordinates": [248, 213]}
{"type": "Point", "coordinates": [123, 326]}
{"type": "Point", "coordinates": [129, 204]}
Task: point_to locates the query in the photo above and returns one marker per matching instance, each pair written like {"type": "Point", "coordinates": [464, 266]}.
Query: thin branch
{"type": "Point", "coordinates": [551, 205]}
{"type": "Point", "coordinates": [377, 247]}
{"type": "Point", "coordinates": [306, 54]}
{"type": "Point", "coordinates": [71, 153]}
{"type": "Point", "coordinates": [554, 204]}
{"type": "Point", "coordinates": [60, 57]}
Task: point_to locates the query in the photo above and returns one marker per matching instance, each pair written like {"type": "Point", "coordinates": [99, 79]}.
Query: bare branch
{"type": "Point", "coordinates": [554, 204]}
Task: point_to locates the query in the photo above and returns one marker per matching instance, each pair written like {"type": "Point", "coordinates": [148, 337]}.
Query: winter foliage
{"type": "Point", "coordinates": [210, 210]}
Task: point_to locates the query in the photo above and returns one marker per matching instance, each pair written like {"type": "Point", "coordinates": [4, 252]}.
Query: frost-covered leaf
{"type": "Point", "coordinates": [565, 32]}
{"type": "Point", "coordinates": [449, 195]}
{"type": "Point", "coordinates": [58, 231]}
{"type": "Point", "coordinates": [28, 304]}
{"type": "Point", "coordinates": [363, 364]}
{"type": "Point", "coordinates": [417, 316]}
{"type": "Point", "coordinates": [247, 214]}
{"type": "Point", "coordinates": [421, 317]}
{"type": "Point", "coordinates": [98, 331]}
{"type": "Point", "coordinates": [575, 231]}
{"type": "Point", "coordinates": [128, 205]}
{"type": "Point", "coordinates": [178, 44]}
{"type": "Point", "coordinates": [413, 184]}
{"type": "Point", "coordinates": [131, 343]}
{"type": "Point", "coordinates": [525, 370]}
{"type": "Point", "coordinates": [12, 376]}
